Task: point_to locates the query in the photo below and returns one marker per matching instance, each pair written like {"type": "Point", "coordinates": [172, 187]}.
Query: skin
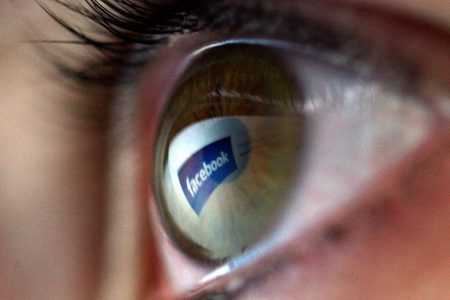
{"type": "Point", "coordinates": [73, 218]}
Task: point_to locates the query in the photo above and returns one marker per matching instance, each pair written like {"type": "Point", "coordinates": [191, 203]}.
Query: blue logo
{"type": "Point", "coordinates": [204, 171]}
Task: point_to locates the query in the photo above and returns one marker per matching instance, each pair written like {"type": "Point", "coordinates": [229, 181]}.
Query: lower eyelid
{"type": "Point", "coordinates": [369, 227]}
{"type": "Point", "coordinates": [373, 226]}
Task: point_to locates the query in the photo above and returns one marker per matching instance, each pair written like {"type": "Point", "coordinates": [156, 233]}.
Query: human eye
{"type": "Point", "coordinates": [341, 102]}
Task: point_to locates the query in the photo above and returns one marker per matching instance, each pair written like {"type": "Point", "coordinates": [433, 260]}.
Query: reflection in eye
{"type": "Point", "coordinates": [244, 130]}
{"type": "Point", "coordinates": [229, 143]}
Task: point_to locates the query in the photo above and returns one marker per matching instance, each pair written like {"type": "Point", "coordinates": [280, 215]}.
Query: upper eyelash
{"type": "Point", "coordinates": [140, 26]}
{"type": "Point", "coordinates": [136, 26]}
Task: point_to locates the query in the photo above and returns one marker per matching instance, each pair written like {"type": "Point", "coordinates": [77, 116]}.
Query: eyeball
{"type": "Point", "coordinates": [227, 152]}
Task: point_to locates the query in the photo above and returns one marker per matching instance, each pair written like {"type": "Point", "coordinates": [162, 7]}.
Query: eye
{"type": "Point", "coordinates": [217, 107]}
{"type": "Point", "coordinates": [227, 150]}
{"type": "Point", "coordinates": [330, 114]}
{"type": "Point", "coordinates": [259, 137]}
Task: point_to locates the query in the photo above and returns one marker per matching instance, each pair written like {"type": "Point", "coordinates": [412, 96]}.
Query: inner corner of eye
{"type": "Point", "coordinates": [227, 151]}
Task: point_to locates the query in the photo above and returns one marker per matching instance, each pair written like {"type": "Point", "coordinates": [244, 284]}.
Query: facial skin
{"type": "Point", "coordinates": [73, 214]}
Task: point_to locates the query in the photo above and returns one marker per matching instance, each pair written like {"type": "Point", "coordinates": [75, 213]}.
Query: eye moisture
{"type": "Point", "coordinates": [227, 151]}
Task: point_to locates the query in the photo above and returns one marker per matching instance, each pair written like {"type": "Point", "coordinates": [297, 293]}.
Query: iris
{"type": "Point", "coordinates": [228, 146]}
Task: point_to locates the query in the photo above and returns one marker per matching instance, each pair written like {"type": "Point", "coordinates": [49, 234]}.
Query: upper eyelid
{"type": "Point", "coordinates": [378, 41]}
{"type": "Point", "coordinates": [308, 25]}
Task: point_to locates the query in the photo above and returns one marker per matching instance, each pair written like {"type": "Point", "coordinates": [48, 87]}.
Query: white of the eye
{"type": "Point", "coordinates": [351, 146]}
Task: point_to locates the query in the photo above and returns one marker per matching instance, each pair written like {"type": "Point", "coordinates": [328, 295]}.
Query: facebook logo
{"type": "Point", "coordinates": [204, 171]}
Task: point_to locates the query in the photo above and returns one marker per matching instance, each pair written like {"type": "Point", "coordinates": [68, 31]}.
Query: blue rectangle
{"type": "Point", "coordinates": [204, 171]}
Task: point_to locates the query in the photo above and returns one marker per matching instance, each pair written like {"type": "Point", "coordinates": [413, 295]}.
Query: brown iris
{"type": "Point", "coordinates": [231, 196]}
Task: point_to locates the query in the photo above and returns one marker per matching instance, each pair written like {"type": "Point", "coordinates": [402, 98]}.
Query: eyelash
{"type": "Point", "coordinates": [139, 28]}
{"type": "Point", "coordinates": [135, 28]}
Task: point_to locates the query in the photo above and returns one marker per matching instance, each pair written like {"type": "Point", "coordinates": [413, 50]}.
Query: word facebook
{"type": "Point", "coordinates": [194, 184]}
{"type": "Point", "coordinates": [205, 171]}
